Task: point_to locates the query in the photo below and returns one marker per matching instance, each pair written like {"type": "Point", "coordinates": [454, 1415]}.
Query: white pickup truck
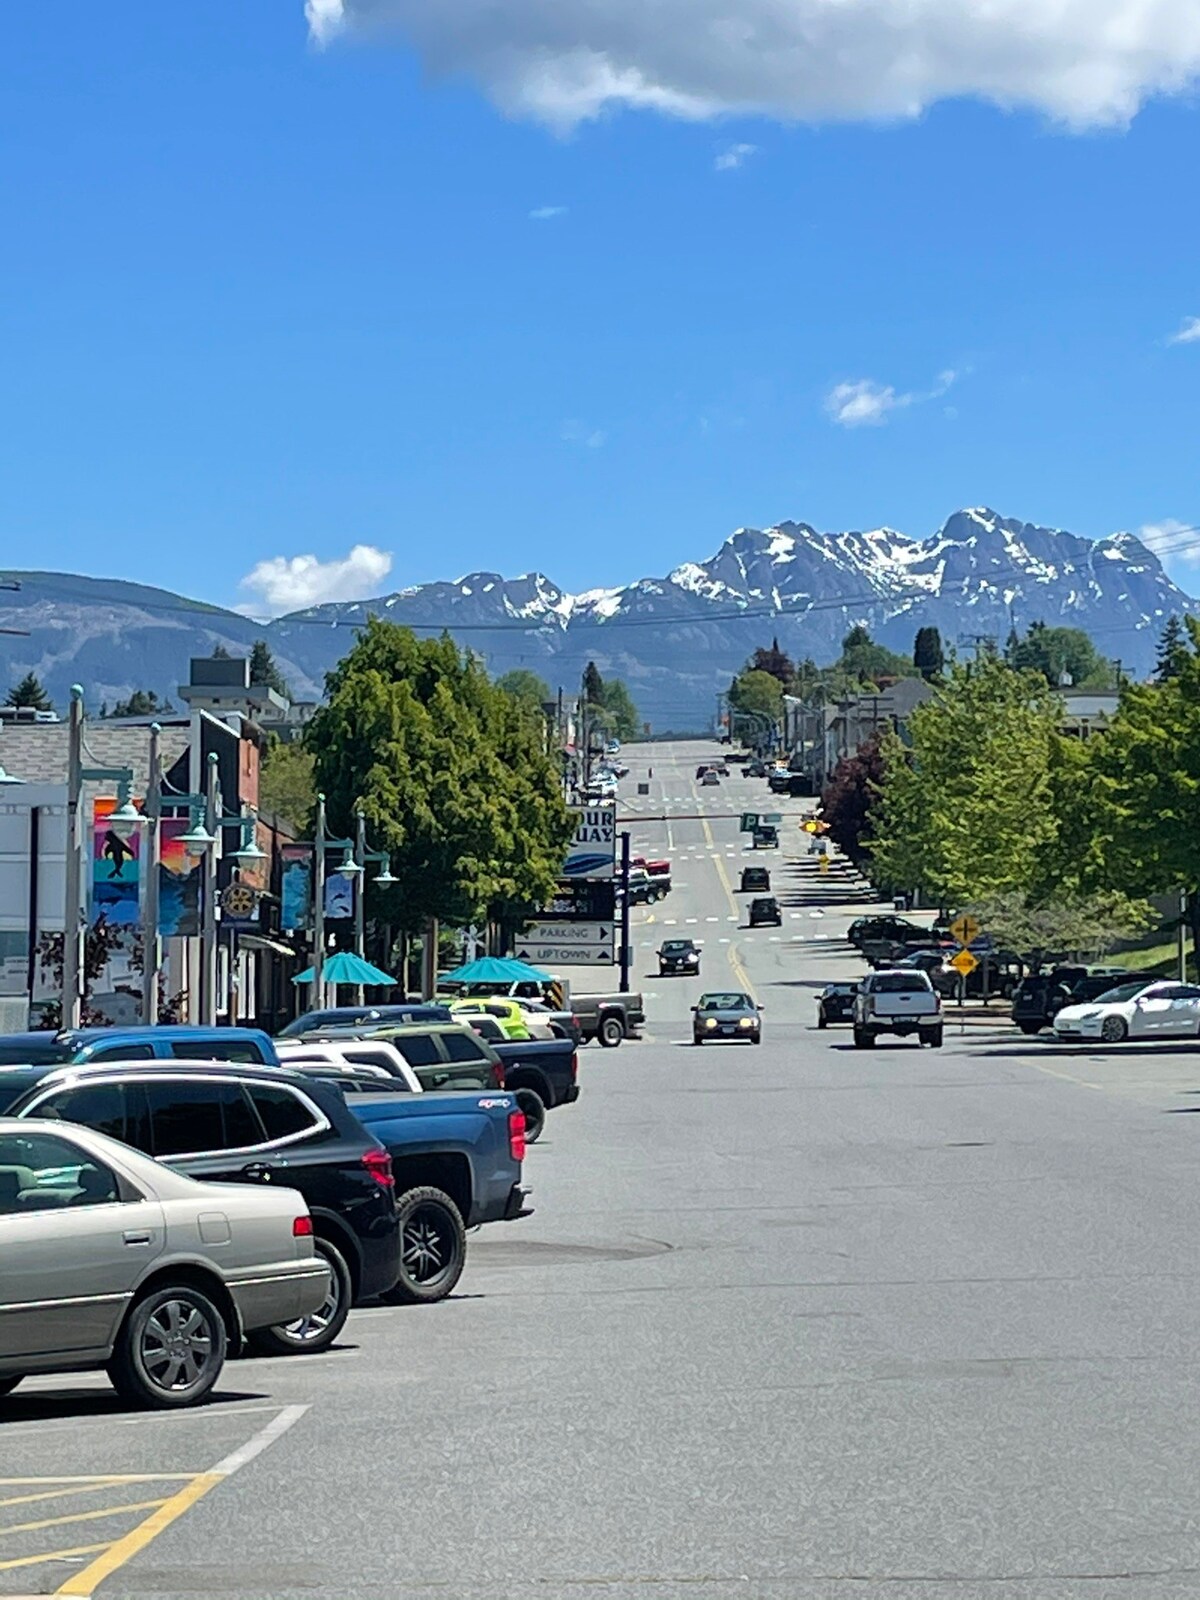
{"type": "Point", "coordinates": [897, 1002]}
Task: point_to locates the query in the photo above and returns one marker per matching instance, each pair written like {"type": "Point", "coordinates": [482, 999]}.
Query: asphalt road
{"type": "Point", "coordinates": [795, 1321]}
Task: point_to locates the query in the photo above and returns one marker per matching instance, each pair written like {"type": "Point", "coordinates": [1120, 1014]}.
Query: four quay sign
{"type": "Point", "coordinates": [593, 850]}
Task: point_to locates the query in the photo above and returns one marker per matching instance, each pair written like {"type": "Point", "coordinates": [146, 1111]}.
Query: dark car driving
{"type": "Point", "coordinates": [766, 837]}
{"type": "Point", "coordinates": [835, 1003]}
{"type": "Point", "coordinates": [726, 1014]}
{"type": "Point", "coordinates": [755, 880]}
{"type": "Point", "coordinates": [766, 913]}
{"type": "Point", "coordinates": [678, 955]}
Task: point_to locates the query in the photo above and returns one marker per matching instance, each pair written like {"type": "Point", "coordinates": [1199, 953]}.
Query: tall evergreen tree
{"type": "Point", "coordinates": [264, 670]}
{"type": "Point", "coordinates": [1172, 651]}
{"type": "Point", "coordinates": [30, 692]}
{"type": "Point", "coordinates": [141, 703]}
{"type": "Point", "coordinates": [928, 655]}
{"type": "Point", "coordinates": [593, 685]}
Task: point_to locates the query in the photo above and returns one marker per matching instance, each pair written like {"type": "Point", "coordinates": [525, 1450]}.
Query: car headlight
{"type": "Point", "coordinates": [746, 1022]}
{"type": "Point", "coordinates": [692, 959]}
{"type": "Point", "coordinates": [710, 1022]}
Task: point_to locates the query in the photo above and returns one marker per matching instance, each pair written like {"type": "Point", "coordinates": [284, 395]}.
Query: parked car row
{"type": "Point", "coordinates": [168, 1195]}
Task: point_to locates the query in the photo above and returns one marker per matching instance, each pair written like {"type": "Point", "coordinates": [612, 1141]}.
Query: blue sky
{"type": "Point", "coordinates": [263, 300]}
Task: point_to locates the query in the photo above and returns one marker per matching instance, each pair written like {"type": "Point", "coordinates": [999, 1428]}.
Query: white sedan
{"type": "Point", "coordinates": [1141, 1009]}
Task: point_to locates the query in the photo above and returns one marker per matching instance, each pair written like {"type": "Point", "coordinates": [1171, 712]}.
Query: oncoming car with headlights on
{"type": "Point", "coordinates": [727, 1014]}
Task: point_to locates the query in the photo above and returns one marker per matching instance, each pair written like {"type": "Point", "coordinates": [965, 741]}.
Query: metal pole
{"type": "Point", "coordinates": [1182, 942]}
{"type": "Point", "coordinates": [151, 956]}
{"type": "Point", "coordinates": [70, 1006]}
{"type": "Point", "coordinates": [318, 983]}
{"type": "Point", "coordinates": [625, 950]}
{"type": "Point", "coordinates": [208, 943]}
{"type": "Point", "coordinates": [360, 895]}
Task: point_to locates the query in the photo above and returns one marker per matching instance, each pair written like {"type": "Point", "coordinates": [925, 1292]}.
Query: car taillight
{"type": "Point", "coordinates": [574, 1068]}
{"type": "Point", "coordinates": [379, 1164]}
{"type": "Point", "coordinates": [302, 1227]}
{"type": "Point", "coordinates": [516, 1135]}
{"type": "Point", "coordinates": [498, 1075]}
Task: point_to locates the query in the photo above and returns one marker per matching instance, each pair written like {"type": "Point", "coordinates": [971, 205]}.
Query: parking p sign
{"type": "Point", "coordinates": [593, 851]}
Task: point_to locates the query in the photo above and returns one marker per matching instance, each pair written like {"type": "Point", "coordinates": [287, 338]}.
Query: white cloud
{"type": "Point", "coordinates": [1172, 540]}
{"type": "Point", "coordinates": [289, 583]}
{"type": "Point", "coordinates": [575, 432]}
{"type": "Point", "coordinates": [733, 156]}
{"type": "Point", "coordinates": [544, 213]}
{"type": "Point", "coordinates": [867, 404]}
{"type": "Point", "coordinates": [1081, 62]}
{"type": "Point", "coordinates": [1188, 333]}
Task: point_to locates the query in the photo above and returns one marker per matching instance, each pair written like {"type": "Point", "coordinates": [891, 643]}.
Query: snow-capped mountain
{"type": "Point", "coordinates": [677, 639]}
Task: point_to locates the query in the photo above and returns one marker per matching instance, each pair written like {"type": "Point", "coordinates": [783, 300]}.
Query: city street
{"type": "Point", "coordinates": [797, 1321]}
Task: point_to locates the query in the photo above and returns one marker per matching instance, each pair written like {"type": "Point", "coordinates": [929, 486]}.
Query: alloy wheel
{"type": "Point", "coordinates": [176, 1346]}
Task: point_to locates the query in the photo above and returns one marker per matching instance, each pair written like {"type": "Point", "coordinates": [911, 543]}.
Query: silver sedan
{"type": "Point", "coordinates": [109, 1259]}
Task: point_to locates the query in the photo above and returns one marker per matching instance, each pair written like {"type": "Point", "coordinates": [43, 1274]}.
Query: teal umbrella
{"type": "Point", "coordinates": [495, 969]}
{"type": "Point", "coordinates": [345, 967]}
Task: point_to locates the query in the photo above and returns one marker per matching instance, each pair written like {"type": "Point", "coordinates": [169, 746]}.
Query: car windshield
{"type": "Point", "coordinates": [1123, 991]}
{"type": "Point", "coordinates": [725, 1002]}
{"type": "Point", "coordinates": [901, 983]}
{"type": "Point", "coordinates": [676, 947]}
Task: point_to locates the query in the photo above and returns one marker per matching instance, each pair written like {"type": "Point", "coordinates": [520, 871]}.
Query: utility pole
{"type": "Point", "coordinates": [151, 947]}
{"type": "Point", "coordinates": [71, 1007]}
{"type": "Point", "coordinates": [318, 983]}
{"type": "Point", "coordinates": [626, 953]}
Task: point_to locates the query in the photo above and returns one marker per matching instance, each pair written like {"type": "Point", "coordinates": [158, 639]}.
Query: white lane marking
{"type": "Point", "coordinates": [730, 919]}
{"type": "Point", "coordinates": [725, 941]}
{"type": "Point", "coordinates": [669, 922]}
{"type": "Point", "coordinates": [262, 1440]}
{"type": "Point", "coordinates": [691, 919]}
{"type": "Point", "coordinates": [775, 939]}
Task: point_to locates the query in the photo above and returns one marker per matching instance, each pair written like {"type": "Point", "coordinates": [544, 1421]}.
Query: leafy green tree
{"type": "Point", "coordinates": [928, 656]}
{"type": "Point", "coordinates": [775, 661]}
{"type": "Point", "coordinates": [1065, 657]}
{"type": "Point", "coordinates": [450, 773]}
{"type": "Point", "coordinates": [141, 703]}
{"type": "Point", "coordinates": [1172, 651]}
{"type": "Point", "coordinates": [525, 686]}
{"type": "Point", "coordinates": [617, 702]}
{"type": "Point", "coordinates": [30, 692]}
{"type": "Point", "coordinates": [757, 693]}
{"type": "Point", "coordinates": [1075, 926]}
{"type": "Point", "coordinates": [593, 685]}
{"type": "Point", "coordinates": [966, 810]}
{"type": "Point", "coordinates": [286, 786]}
{"type": "Point", "coordinates": [263, 669]}
{"type": "Point", "coordinates": [863, 661]}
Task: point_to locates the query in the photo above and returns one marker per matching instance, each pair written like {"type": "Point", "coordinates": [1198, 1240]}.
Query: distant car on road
{"type": "Point", "coordinates": [755, 880]}
{"type": "Point", "coordinates": [710, 780]}
{"type": "Point", "coordinates": [726, 1014]}
{"type": "Point", "coordinates": [766, 837]}
{"type": "Point", "coordinates": [766, 913]}
{"type": "Point", "coordinates": [1134, 1010]}
{"type": "Point", "coordinates": [111, 1260]}
{"type": "Point", "coordinates": [678, 955]}
{"type": "Point", "coordinates": [835, 1003]}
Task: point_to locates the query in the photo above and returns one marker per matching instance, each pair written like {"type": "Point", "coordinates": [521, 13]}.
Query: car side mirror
{"type": "Point", "coordinates": [695, 1008]}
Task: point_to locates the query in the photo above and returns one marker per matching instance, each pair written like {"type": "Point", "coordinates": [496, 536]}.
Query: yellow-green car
{"type": "Point", "coordinates": [507, 1013]}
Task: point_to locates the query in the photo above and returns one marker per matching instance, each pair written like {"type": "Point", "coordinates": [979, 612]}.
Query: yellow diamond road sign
{"type": "Point", "coordinates": [964, 962]}
{"type": "Point", "coordinates": [965, 929]}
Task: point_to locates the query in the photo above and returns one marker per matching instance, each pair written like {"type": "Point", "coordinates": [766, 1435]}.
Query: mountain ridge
{"type": "Point", "coordinates": [676, 638]}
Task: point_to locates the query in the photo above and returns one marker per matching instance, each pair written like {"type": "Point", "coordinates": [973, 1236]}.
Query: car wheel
{"type": "Point", "coordinates": [861, 1038]}
{"type": "Point", "coordinates": [7, 1385]}
{"type": "Point", "coordinates": [317, 1331]}
{"type": "Point", "coordinates": [756, 1038]}
{"type": "Point", "coordinates": [1030, 1028]}
{"type": "Point", "coordinates": [171, 1349]}
{"type": "Point", "coordinates": [612, 1031]}
{"type": "Point", "coordinates": [433, 1247]}
{"type": "Point", "coordinates": [534, 1107]}
{"type": "Point", "coordinates": [1114, 1030]}
{"type": "Point", "coordinates": [933, 1038]}
{"type": "Point", "coordinates": [822, 1020]}
{"type": "Point", "coordinates": [696, 1039]}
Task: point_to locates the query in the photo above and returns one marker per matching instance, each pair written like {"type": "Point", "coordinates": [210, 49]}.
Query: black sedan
{"type": "Point", "coordinates": [678, 955]}
{"type": "Point", "coordinates": [727, 1014]}
{"type": "Point", "coordinates": [835, 1003]}
{"type": "Point", "coordinates": [766, 912]}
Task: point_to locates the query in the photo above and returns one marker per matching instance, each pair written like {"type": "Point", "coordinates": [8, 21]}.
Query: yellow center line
{"type": "Point", "coordinates": [735, 959]}
{"type": "Point", "coordinates": [79, 1516]}
{"type": "Point", "coordinates": [53, 1555]}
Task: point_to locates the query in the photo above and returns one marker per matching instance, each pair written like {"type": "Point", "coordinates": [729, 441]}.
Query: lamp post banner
{"type": "Point", "coordinates": [178, 882]}
{"type": "Point", "coordinates": [296, 897]}
{"type": "Point", "coordinates": [115, 870]}
{"type": "Point", "coordinates": [339, 897]}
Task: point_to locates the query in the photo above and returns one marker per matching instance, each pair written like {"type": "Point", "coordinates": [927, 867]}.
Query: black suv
{"type": "Point", "coordinates": [240, 1124]}
{"type": "Point", "coordinates": [755, 880]}
{"type": "Point", "coordinates": [766, 913]}
{"type": "Point", "coordinates": [1041, 996]}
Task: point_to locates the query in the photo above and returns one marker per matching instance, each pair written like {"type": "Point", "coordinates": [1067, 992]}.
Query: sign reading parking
{"type": "Point", "coordinates": [570, 933]}
{"type": "Point", "coordinates": [593, 851]}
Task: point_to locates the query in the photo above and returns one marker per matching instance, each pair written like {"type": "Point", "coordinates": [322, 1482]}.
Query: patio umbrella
{"type": "Point", "coordinates": [345, 967]}
{"type": "Point", "coordinates": [496, 969]}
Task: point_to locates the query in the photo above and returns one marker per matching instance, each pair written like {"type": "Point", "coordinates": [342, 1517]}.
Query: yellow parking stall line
{"type": "Point", "coordinates": [122, 1550]}
{"type": "Point", "coordinates": [100, 1477]}
{"type": "Point", "coordinates": [53, 1555]}
{"type": "Point", "coordinates": [79, 1516]}
{"type": "Point", "coordinates": [73, 1488]}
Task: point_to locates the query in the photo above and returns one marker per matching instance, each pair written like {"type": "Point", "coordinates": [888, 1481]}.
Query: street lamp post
{"type": "Point", "coordinates": [124, 822]}
{"type": "Point", "coordinates": [362, 855]}
{"type": "Point", "coordinates": [151, 949]}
